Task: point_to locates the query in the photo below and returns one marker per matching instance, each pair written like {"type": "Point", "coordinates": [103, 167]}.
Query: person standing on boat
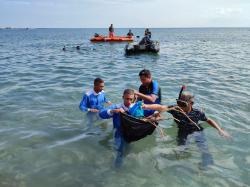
{"type": "Point", "coordinates": [147, 33]}
{"type": "Point", "coordinates": [111, 31]}
{"type": "Point", "coordinates": [113, 111]}
{"type": "Point", "coordinates": [149, 91]}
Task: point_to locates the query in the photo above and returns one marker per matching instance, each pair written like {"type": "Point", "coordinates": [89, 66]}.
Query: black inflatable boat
{"type": "Point", "coordinates": [151, 47]}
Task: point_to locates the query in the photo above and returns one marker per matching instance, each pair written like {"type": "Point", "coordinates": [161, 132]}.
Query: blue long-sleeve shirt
{"type": "Point", "coordinates": [106, 114]}
{"type": "Point", "coordinates": [119, 140]}
{"type": "Point", "coordinates": [91, 99]}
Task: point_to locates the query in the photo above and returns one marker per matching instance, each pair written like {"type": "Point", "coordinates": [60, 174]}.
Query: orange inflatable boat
{"type": "Point", "coordinates": [112, 39]}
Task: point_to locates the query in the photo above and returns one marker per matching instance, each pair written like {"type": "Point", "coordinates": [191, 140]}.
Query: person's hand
{"type": "Point", "coordinates": [117, 110]}
{"type": "Point", "coordinates": [93, 110]}
{"type": "Point", "coordinates": [144, 106]}
{"type": "Point", "coordinates": [225, 134]}
{"type": "Point", "coordinates": [136, 92]}
{"type": "Point", "coordinates": [109, 103]}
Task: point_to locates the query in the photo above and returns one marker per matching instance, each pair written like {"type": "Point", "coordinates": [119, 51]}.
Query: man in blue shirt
{"type": "Point", "coordinates": [113, 112]}
{"type": "Point", "coordinates": [94, 100]}
{"type": "Point", "coordinates": [149, 90]}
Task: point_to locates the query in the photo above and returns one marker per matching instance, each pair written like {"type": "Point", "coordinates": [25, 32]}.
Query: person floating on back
{"type": "Point", "coordinates": [149, 90]}
{"type": "Point", "coordinates": [111, 31]}
{"type": "Point", "coordinates": [94, 100]}
{"type": "Point", "coordinates": [187, 119]}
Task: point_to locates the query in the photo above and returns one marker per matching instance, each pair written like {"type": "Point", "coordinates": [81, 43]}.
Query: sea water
{"type": "Point", "coordinates": [45, 140]}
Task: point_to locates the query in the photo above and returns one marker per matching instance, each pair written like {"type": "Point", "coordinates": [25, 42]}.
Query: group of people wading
{"type": "Point", "coordinates": [149, 93]}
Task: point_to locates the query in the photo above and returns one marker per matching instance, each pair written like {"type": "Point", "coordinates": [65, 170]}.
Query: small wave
{"type": "Point", "coordinates": [74, 139]}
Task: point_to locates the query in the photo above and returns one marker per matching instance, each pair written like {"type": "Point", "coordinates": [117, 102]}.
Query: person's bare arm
{"type": "Point", "coordinates": [158, 107]}
{"type": "Point", "coordinates": [220, 130]}
{"type": "Point", "coordinates": [152, 98]}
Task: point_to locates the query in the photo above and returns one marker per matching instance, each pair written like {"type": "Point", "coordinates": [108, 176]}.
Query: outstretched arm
{"type": "Point", "coordinates": [158, 107]}
{"type": "Point", "coordinates": [110, 111]}
{"type": "Point", "coordinates": [220, 130]}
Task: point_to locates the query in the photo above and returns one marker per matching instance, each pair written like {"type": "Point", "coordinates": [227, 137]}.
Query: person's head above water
{"type": "Point", "coordinates": [98, 85]}
{"type": "Point", "coordinates": [185, 101]}
{"type": "Point", "coordinates": [128, 97]}
{"type": "Point", "coordinates": [145, 77]}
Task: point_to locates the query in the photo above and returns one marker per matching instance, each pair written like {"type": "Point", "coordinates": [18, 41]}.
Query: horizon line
{"type": "Point", "coordinates": [9, 27]}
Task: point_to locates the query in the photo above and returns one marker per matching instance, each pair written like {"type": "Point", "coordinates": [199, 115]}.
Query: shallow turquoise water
{"type": "Point", "coordinates": [44, 137]}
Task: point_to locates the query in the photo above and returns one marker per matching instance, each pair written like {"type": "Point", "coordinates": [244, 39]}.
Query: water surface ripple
{"type": "Point", "coordinates": [46, 140]}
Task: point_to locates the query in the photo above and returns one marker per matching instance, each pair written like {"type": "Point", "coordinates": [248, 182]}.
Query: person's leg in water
{"type": "Point", "coordinates": [92, 118]}
{"type": "Point", "coordinates": [120, 145]}
{"type": "Point", "coordinates": [181, 142]}
{"type": "Point", "coordinates": [206, 156]}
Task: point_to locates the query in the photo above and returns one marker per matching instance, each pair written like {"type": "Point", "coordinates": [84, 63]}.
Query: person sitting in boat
{"type": "Point", "coordinates": [113, 111]}
{"type": "Point", "coordinates": [147, 33]}
{"type": "Point", "coordinates": [149, 90]}
{"type": "Point", "coordinates": [146, 40]}
{"type": "Point", "coordinates": [97, 35]}
{"type": "Point", "coordinates": [111, 31]}
{"type": "Point", "coordinates": [94, 100]}
{"type": "Point", "coordinates": [187, 119]}
{"type": "Point", "coordinates": [130, 34]}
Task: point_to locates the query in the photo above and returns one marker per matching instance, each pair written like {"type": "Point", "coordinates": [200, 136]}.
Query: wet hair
{"type": "Point", "coordinates": [145, 73]}
{"type": "Point", "coordinates": [129, 92]}
{"type": "Point", "coordinates": [98, 81]}
{"type": "Point", "coordinates": [185, 98]}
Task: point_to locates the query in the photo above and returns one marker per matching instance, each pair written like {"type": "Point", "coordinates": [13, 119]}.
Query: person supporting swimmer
{"type": "Point", "coordinates": [113, 112]}
{"type": "Point", "coordinates": [149, 91]}
{"type": "Point", "coordinates": [187, 118]}
{"type": "Point", "coordinates": [94, 100]}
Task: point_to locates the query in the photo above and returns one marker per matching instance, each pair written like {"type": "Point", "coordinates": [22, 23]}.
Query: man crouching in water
{"type": "Point", "coordinates": [187, 119]}
{"type": "Point", "coordinates": [113, 112]}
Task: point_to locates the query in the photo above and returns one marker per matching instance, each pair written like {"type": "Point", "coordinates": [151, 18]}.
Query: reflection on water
{"type": "Point", "coordinates": [47, 141]}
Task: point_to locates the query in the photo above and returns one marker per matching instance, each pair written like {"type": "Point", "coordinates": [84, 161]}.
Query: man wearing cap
{"type": "Point", "coordinates": [187, 119]}
{"type": "Point", "coordinates": [149, 91]}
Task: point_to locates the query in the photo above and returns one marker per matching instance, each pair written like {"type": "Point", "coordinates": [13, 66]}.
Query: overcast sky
{"type": "Point", "coordinates": [124, 13]}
